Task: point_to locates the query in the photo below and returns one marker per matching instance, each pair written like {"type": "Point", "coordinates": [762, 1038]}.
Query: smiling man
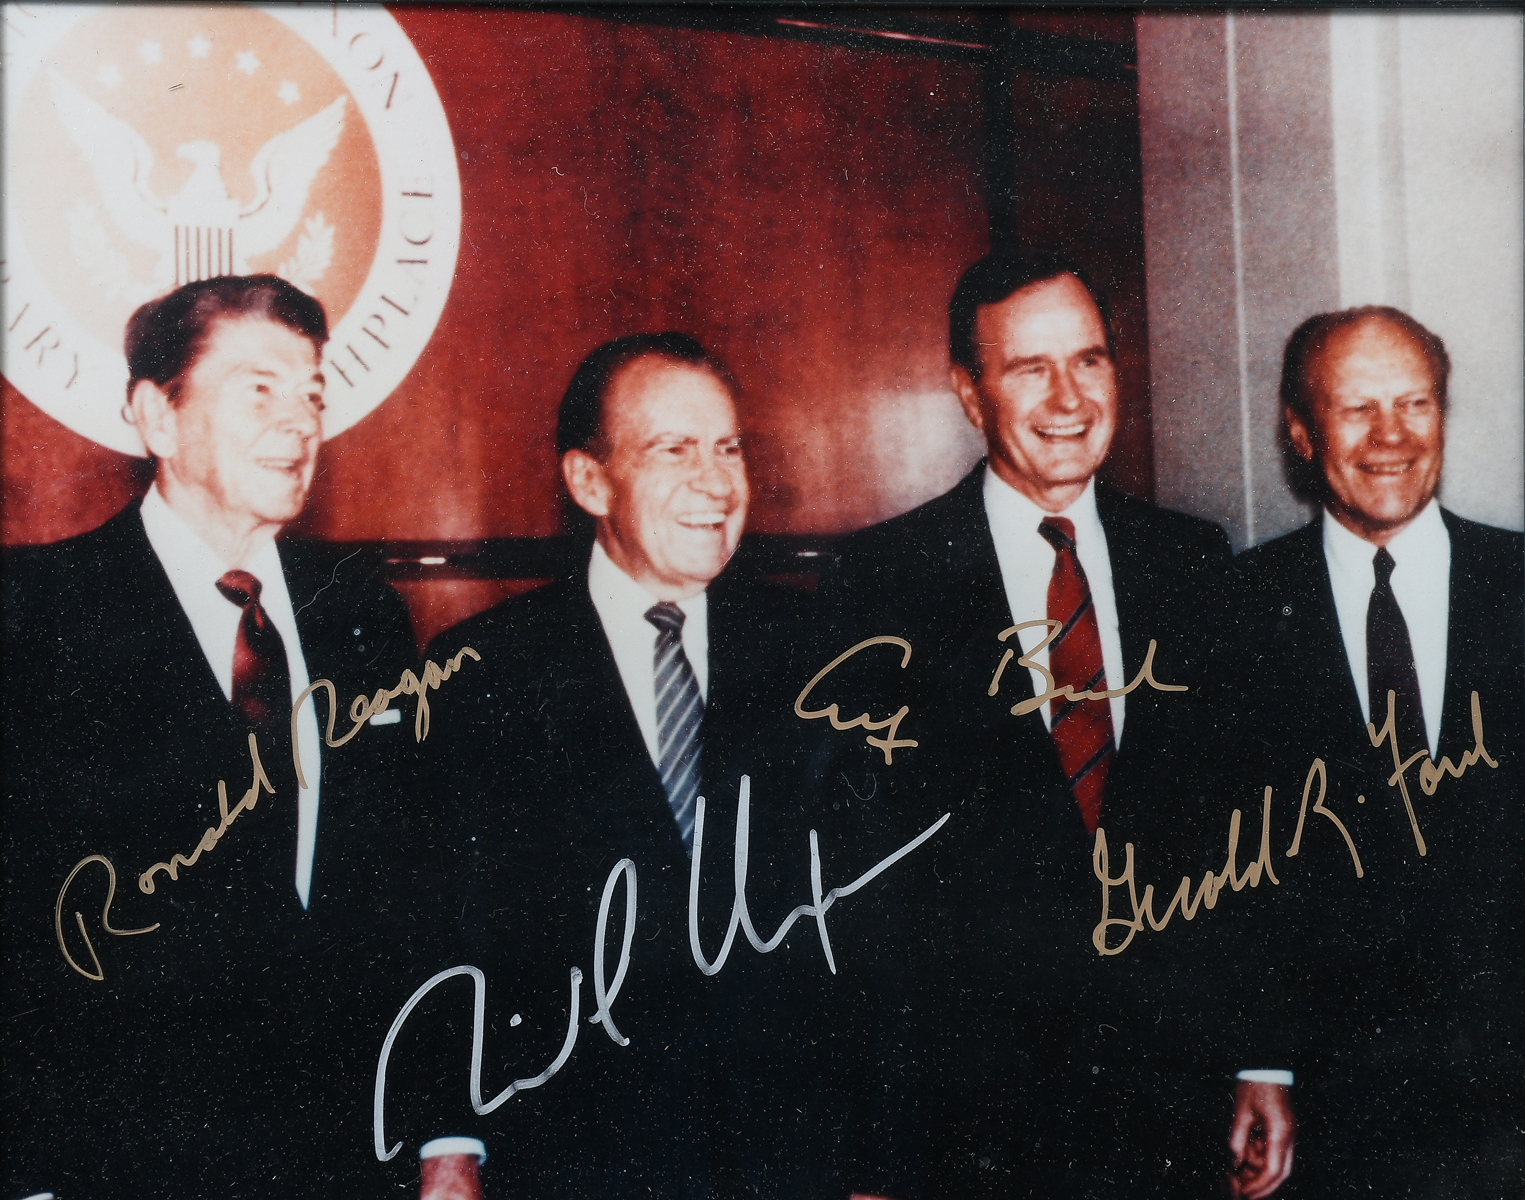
{"type": "Point", "coordinates": [1030, 535]}
{"type": "Point", "coordinates": [140, 659]}
{"type": "Point", "coordinates": [606, 704]}
{"type": "Point", "coordinates": [1399, 976]}
{"type": "Point", "coordinates": [1048, 1070]}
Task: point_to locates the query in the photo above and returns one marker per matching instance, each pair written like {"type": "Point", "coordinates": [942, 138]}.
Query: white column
{"type": "Point", "coordinates": [1463, 96]}
{"type": "Point", "coordinates": [1298, 163]}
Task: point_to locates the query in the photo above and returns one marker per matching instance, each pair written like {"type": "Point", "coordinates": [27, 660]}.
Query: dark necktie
{"type": "Point", "coordinates": [262, 694]}
{"type": "Point", "coordinates": [261, 679]}
{"type": "Point", "coordinates": [1082, 730]}
{"type": "Point", "coordinates": [680, 711]}
{"type": "Point", "coordinates": [1390, 662]}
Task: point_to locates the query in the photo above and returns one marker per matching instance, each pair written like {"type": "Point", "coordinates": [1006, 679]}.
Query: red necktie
{"type": "Point", "coordinates": [1082, 730]}
{"type": "Point", "coordinates": [261, 679]}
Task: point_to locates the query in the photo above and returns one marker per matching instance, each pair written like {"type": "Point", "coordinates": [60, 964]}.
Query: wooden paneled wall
{"type": "Point", "coordinates": [802, 208]}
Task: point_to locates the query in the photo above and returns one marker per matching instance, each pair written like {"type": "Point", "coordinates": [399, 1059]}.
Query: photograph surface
{"type": "Point", "coordinates": [768, 602]}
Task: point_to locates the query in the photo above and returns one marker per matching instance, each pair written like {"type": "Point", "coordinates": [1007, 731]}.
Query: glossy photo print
{"type": "Point", "coordinates": [757, 603]}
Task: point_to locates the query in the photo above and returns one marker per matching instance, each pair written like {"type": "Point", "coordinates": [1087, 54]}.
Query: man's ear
{"type": "Point", "coordinates": [968, 396]}
{"type": "Point", "coordinates": [587, 481]}
{"type": "Point", "coordinates": [156, 418]}
{"type": "Point", "coordinates": [1300, 435]}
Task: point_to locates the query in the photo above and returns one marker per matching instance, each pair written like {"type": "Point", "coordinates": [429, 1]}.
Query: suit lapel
{"type": "Point", "coordinates": [1015, 749]}
{"type": "Point", "coordinates": [589, 704]}
{"type": "Point", "coordinates": [1464, 668]}
{"type": "Point", "coordinates": [975, 597]}
{"type": "Point", "coordinates": [976, 573]}
{"type": "Point", "coordinates": [725, 668]}
{"type": "Point", "coordinates": [150, 630]}
{"type": "Point", "coordinates": [1133, 558]}
{"type": "Point", "coordinates": [1133, 587]}
{"type": "Point", "coordinates": [311, 601]}
{"type": "Point", "coordinates": [1323, 648]}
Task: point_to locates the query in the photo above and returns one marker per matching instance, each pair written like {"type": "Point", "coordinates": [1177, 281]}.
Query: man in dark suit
{"type": "Point", "coordinates": [1379, 640]}
{"type": "Point", "coordinates": [607, 707]}
{"type": "Point", "coordinates": [1037, 1065]}
{"type": "Point", "coordinates": [175, 1021]}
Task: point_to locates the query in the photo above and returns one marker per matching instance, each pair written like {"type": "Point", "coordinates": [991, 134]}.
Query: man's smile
{"type": "Point", "coordinates": [1388, 468]}
{"type": "Point", "coordinates": [289, 466]}
{"type": "Point", "coordinates": [1074, 430]}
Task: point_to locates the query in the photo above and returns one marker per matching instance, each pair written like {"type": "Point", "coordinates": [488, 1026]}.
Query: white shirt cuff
{"type": "Point", "coordinates": [1284, 1078]}
{"type": "Point", "coordinates": [453, 1145]}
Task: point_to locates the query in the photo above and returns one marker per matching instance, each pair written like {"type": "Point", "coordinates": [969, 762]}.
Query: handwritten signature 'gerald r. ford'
{"type": "Point", "coordinates": [1213, 883]}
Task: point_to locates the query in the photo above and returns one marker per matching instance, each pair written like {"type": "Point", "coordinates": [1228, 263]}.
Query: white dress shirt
{"type": "Point", "coordinates": [1027, 564]}
{"type": "Point", "coordinates": [194, 568]}
{"type": "Point", "coordinates": [622, 603]}
{"type": "Point", "coordinates": [1422, 586]}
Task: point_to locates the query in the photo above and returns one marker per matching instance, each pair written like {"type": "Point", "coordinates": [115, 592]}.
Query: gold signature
{"type": "Point", "coordinates": [58, 917]}
{"type": "Point", "coordinates": [887, 744]}
{"type": "Point", "coordinates": [361, 711]}
{"type": "Point", "coordinates": [1429, 774]}
{"type": "Point", "coordinates": [1067, 692]}
{"type": "Point", "coordinates": [893, 742]}
{"type": "Point", "coordinates": [146, 881]}
{"type": "Point", "coordinates": [214, 833]}
{"type": "Point", "coordinates": [363, 708]}
{"type": "Point", "coordinates": [1207, 893]}
{"type": "Point", "coordinates": [1213, 882]}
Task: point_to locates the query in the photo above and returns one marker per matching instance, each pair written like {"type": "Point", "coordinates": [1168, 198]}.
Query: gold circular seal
{"type": "Point", "coordinates": [147, 147]}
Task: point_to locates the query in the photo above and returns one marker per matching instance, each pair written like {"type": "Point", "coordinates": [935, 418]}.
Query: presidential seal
{"type": "Point", "coordinates": [149, 147]}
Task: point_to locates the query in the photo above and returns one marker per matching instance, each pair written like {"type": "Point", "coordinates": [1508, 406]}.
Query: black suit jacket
{"type": "Point", "coordinates": [1395, 992]}
{"type": "Point", "coordinates": [1028, 1051]}
{"type": "Point", "coordinates": [541, 776]}
{"type": "Point", "coordinates": [932, 576]}
{"type": "Point", "coordinates": [210, 1058]}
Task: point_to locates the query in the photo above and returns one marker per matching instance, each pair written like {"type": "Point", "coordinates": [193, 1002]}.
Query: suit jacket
{"type": "Point", "coordinates": [540, 775]}
{"type": "Point", "coordinates": [212, 1049]}
{"type": "Point", "coordinates": [1395, 991]}
{"type": "Point", "coordinates": [1009, 1050]}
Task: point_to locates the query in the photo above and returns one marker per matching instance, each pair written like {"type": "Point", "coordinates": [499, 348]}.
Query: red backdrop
{"type": "Point", "coordinates": [804, 209]}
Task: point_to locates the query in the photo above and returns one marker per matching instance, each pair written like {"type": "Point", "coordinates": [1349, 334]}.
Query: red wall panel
{"type": "Point", "coordinates": [58, 483]}
{"type": "Point", "coordinates": [803, 209]}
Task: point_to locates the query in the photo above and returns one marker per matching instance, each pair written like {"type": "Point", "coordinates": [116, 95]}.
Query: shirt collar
{"type": "Point", "coordinates": [1010, 510]}
{"type": "Point", "coordinates": [185, 554]}
{"type": "Point", "coordinates": [613, 590]}
{"type": "Point", "coordinates": [1424, 539]}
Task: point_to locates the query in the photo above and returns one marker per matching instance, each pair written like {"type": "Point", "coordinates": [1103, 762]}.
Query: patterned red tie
{"type": "Point", "coordinates": [261, 679]}
{"type": "Point", "coordinates": [1082, 730]}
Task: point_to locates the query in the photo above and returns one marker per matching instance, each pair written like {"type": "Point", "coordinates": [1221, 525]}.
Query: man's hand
{"type": "Point", "coordinates": [1262, 1139]}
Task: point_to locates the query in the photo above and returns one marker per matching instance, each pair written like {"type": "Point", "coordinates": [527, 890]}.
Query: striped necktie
{"type": "Point", "coordinates": [680, 711]}
{"type": "Point", "coordinates": [1082, 730]}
